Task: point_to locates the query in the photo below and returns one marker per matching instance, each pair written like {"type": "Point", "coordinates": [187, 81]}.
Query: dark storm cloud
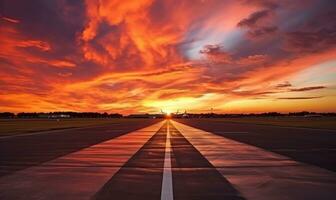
{"type": "Point", "coordinates": [255, 23]}
{"type": "Point", "coordinates": [211, 49]}
{"type": "Point", "coordinates": [260, 31]}
{"type": "Point", "coordinates": [252, 20]}
{"type": "Point", "coordinates": [317, 35]}
{"type": "Point", "coordinates": [49, 21]}
{"type": "Point", "coordinates": [263, 3]}
{"type": "Point", "coordinates": [300, 98]}
{"type": "Point", "coordinates": [284, 85]}
{"type": "Point", "coordinates": [285, 30]}
{"type": "Point", "coordinates": [307, 88]}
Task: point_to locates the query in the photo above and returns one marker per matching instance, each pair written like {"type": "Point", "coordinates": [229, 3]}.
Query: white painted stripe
{"type": "Point", "coordinates": [78, 175]}
{"type": "Point", "coordinates": [167, 180]}
{"type": "Point", "coordinates": [259, 174]}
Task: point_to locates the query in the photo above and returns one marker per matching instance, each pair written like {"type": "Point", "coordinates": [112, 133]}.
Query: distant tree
{"type": "Point", "coordinates": [28, 115]}
{"type": "Point", "coordinates": [115, 115]}
{"type": "Point", "coordinates": [70, 114]}
{"type": "Point", "coordinates": [7, 115]}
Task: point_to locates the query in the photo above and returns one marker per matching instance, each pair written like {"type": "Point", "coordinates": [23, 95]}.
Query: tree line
{"type": "Point", "coordinates": [60, 115]}
{"type": "Point", "coordinates": [266, 114]}
{"type": "Point", "coordinates": [189, 115]}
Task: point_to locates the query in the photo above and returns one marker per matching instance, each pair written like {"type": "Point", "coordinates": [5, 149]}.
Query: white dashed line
{"type": "Point", "coordinates": [167, 180]}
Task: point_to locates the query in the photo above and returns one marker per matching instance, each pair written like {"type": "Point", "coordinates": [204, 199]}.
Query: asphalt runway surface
{"type": "Point", "coordinates": [20, 152]}
{"type": "Point", "coordinates": [156, 159]}
{"type": "Point", "coordinates": [187, 166]}
{"type": "Point", "coordinates": [313, 146]}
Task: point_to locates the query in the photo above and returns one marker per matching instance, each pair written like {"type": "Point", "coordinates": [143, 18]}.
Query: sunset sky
{"type": "Point", "coordinates": [136, 56]}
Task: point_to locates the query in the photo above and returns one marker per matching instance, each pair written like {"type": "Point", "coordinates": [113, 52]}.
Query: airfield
{"type": "Point", "coordinates": [168, 159]}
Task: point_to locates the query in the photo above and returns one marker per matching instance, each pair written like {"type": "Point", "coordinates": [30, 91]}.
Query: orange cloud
{"type": "Point", "coordinates": [10, 20]}
{"type": "Point", "coordinates": [44, 46]}
{"type": "Point", "coordinates": [140, 56]}
{"type": "Point", "coordinates": [62, 64]}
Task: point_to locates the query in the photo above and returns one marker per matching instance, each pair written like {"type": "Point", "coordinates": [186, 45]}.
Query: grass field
{"type": "Point", "coordinates": [318, 122]}
{"type": "Point", "coordinates": [19, 126]}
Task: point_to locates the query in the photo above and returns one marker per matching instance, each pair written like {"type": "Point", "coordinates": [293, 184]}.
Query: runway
{"type": "Point", "coordinates": [308, 145]}
{"type": "Point", "coordinates": [161, 160]}
{"type": "Point", "coordinates": [20, 152]}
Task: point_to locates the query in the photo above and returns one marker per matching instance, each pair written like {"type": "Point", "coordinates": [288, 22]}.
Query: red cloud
{"type": "Point", "coordinates": [300, 98]}
{"type": "Point", "coordinates": [10, 20]}
{"type": "Point", "coordinates": [132, 56]}
{"type": "Point", "coordinates": [44, 46]}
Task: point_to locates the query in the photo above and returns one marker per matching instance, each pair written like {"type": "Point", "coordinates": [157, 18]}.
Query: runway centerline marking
{"type": "Point", "coordinates": [140, 178]}
{"type": "Point", "coordinates": [194, 177]}
{"type": "Point", "coordinates": [167, 180]}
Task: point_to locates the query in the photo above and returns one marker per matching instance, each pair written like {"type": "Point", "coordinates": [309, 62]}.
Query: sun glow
{"type": "Point", "coordinates": [168, 115]}
{"type": "Point", "coordinates": [139, 57]}
{"type": "Point", "coordinates": [181, 103]}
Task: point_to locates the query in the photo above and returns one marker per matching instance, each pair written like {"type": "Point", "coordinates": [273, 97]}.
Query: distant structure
{"type": "Point", "coordinates": [185, 114]}
{"type": "Point", "coordinates": [146, 115]}
{"type": "Point", "coordinates": [313, 115]}
{"type": "Point", "coordinates": [167, 115]}
{"type": "Point", "coordinates": [177, 114]}
{"type": "Point", "coordinates": [53, 116]}
{"type": "Point", "coordinates": [57, 115]}
{"type": "Point", "coordinates": [208, 114]}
